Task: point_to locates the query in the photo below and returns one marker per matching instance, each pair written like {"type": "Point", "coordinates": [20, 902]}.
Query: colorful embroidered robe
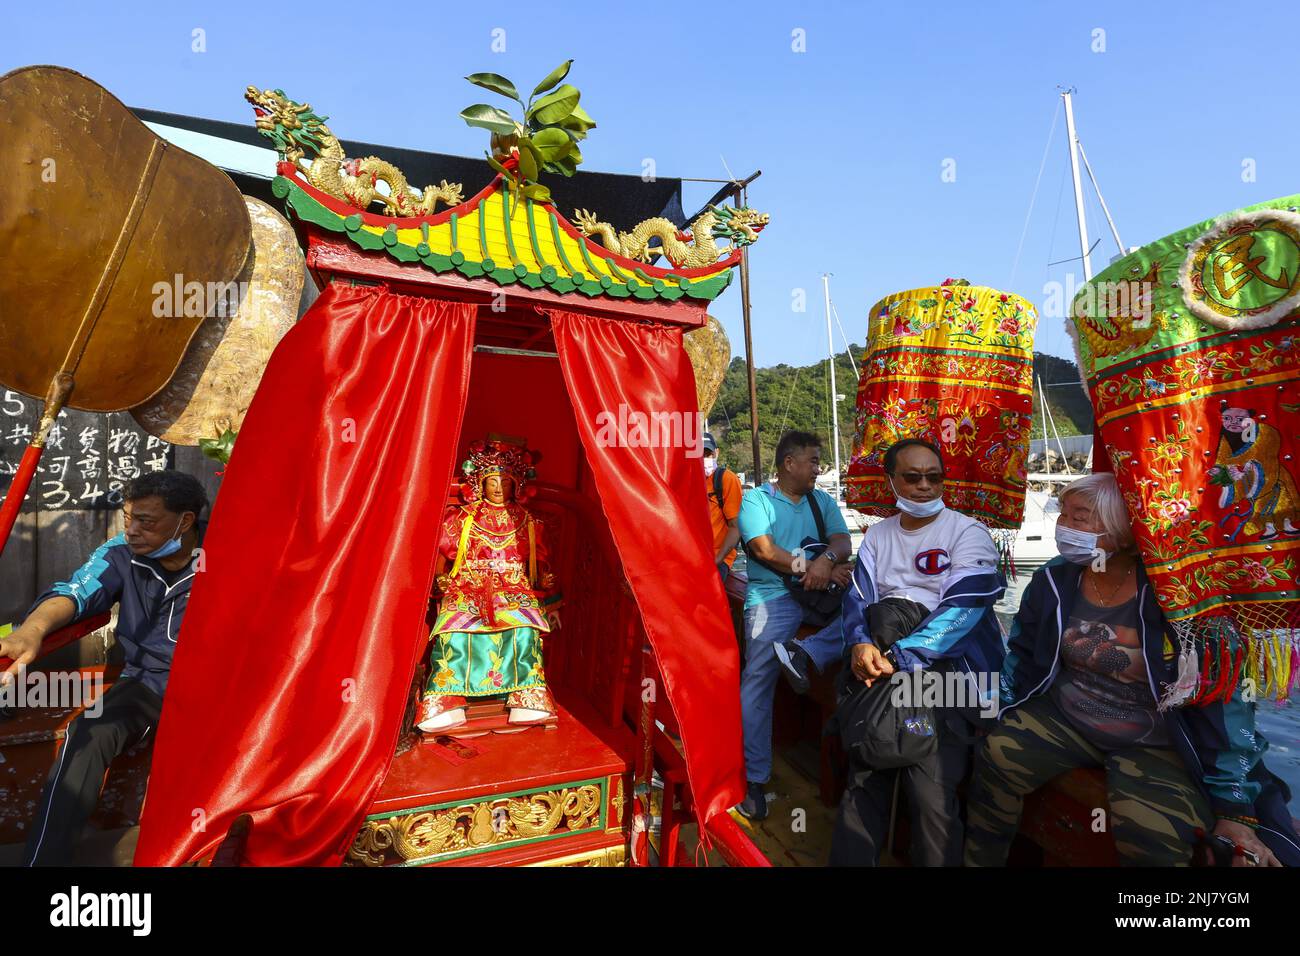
{"type": "Point", "coordinates": [487, 639]}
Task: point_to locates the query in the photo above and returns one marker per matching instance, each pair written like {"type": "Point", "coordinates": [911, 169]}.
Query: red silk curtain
{"type": "Point", "coordinates": [653, 498]}
{"type": "Point", "coordinates": [316, 575]}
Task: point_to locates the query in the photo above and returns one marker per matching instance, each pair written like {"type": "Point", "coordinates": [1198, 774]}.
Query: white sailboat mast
{"type": "Point", "coordinates": [1042, 401]}
{"type": "Point", "coordinates": [1078, 186]}
{"type": "Point", "coordinates": [1110, 220]}
{"type": "Point", "coordinates": [835, 405]}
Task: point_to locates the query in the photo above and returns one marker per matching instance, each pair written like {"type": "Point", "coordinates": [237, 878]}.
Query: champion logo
{"type": "Point", "coordinates": [934, 561]}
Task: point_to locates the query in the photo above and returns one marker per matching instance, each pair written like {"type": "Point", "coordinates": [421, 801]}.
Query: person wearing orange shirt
{"type": "Point", "coordinates": [723, 488]}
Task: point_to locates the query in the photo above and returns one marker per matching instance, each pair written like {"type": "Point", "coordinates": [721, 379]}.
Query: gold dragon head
{"type": "Point", "coordinates": [294, 127]}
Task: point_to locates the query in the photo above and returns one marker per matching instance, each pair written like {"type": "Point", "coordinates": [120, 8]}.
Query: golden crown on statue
{"type": "Point", "coordinates": [499, 455]}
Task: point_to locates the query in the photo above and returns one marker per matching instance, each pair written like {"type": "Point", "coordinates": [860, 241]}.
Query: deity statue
{"type": "Point", "coordinates": [1249, 468]}
{"type": "Point", "coordinates": [497, 595]}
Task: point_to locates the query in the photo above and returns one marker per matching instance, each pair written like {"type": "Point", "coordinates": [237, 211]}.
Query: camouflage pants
{"type": "Point", "coordinates": [1155, 806]}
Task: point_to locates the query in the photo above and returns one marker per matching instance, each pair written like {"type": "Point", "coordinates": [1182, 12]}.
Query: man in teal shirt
{"type": "Point", "coordinates": [775, 519]}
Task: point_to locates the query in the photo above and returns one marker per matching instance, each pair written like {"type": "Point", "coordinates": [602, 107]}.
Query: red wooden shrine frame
{"type": "Point", "coordinates": [64, 636]}
{"type": "Point", "coordinates": [511, 377]}
{"type": "Point", "coordinates": [595, 661]}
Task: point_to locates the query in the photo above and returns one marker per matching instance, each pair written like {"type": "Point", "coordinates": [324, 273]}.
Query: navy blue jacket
{"type": "Point", "coordinates": [1218, 742]}
{"type": "Point", "coordinates": [149, 613]}
{"type": "Point", "coordinates": [963, 628]}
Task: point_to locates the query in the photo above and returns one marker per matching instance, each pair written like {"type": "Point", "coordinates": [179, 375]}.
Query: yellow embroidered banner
{"type": "Point", "coordinates": [951, 364]}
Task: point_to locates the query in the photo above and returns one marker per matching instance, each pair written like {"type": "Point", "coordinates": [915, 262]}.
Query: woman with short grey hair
{"type": "Point", "coordinates": [1099, 495]}
{"type": "Point", "coordinates": [1088, 650]}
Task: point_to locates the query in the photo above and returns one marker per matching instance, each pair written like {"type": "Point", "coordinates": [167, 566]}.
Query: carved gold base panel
{"type": "Point", "coordinates": [432, 834]}
{"type": "Point", "coordinates": [605, 856]}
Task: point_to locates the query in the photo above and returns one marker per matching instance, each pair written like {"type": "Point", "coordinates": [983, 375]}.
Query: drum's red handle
{"type": "Point", "coordinates": [55, 399]}
{"type": "Point", "coordinates": [64, 636]}
{"type": "Point", "coordinates": [13, 502]}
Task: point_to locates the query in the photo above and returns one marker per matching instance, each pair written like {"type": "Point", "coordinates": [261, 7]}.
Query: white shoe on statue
{"type": "Point", "coordinates": [522, 715]}
{"type": "Point", "coordinates": [441, 712]}
{"type": "Point", "coordinates": [444, 721]}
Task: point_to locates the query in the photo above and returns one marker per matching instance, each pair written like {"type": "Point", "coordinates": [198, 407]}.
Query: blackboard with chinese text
{"type": "Point", "coordinates": [89, 456]}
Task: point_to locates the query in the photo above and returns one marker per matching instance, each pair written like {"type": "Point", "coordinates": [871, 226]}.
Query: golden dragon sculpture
{"type": "Point", "coordinates": [297, 131]}
{"type": "Point", "coordinates": [684, 249]}
{"type": "Point", "coordinates": [1120, 322]}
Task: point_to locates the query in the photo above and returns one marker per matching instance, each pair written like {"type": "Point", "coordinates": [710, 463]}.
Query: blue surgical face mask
{"type": "Point", "coordinates": [1079, 547]}
{"type": "Point", "coordinates": [171, 546]}
{"type": "Point", "coordinates": [917, 509]}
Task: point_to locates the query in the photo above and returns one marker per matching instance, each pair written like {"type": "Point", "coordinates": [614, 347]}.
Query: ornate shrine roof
{"type": "Point", "coordinates": [509, 232]}
{"type": "Point", "coordinates": [506, 239]}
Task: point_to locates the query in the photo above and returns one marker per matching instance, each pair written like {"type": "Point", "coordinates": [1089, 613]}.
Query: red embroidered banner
{"type": "Point", "coordinates": [1191, 349]}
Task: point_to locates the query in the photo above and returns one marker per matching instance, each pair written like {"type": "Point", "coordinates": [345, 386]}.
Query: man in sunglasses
{"type": "Point", "coordinates": [922, 597]}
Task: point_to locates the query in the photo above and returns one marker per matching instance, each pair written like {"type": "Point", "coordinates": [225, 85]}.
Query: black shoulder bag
{"type": "Point", "coordinates": [717, 484]}
{"type": "Point", "coordinates": [819, 607]}
{"type": "Point", "coordinates": [876, 732]}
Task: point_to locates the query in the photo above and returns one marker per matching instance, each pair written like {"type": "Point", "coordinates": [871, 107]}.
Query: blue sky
{"type": "Point", "coordinates": [851, 134]}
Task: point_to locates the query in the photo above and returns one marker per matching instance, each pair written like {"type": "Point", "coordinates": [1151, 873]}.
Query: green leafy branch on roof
{"type": "Point", "coordinates": [219, 449]}
{"type": "Point", "coordinates": [545, 140]}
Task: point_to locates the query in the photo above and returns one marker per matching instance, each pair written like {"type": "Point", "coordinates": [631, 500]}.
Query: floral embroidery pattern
{"type": "Point", "coordinates": [1210, 506]}
{"type": "Point", "coordinates": [494, 676]}
{"type": "Point", "coordinates": [952, 365]}
{"type": "Point", "coordinates": [1197, 370]}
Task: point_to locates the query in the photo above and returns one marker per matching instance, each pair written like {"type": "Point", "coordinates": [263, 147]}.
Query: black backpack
{"type": "Point", "coordinates": [717, 484]}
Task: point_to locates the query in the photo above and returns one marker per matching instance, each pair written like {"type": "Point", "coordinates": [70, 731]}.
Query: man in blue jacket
{"type": "Point", "coordinates": [921, 600]}
{"type": "Point", "coordinates": [147, 571]}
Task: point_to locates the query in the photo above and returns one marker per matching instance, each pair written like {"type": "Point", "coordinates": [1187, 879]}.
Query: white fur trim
{"type": "Point", "coordinates": [1269, 316]}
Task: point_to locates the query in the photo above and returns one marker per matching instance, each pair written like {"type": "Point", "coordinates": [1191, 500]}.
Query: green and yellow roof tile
{"type": "Point", "coordinates": [503, 237]}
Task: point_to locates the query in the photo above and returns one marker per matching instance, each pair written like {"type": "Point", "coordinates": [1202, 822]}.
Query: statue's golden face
{"type": "Point", "coordinates": [498, 489]}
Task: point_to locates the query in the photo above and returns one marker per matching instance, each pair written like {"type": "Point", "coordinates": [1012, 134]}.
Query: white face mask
{"type": "Point", "coordinates": [917, 509]}
{"type": "Point", "coordinates": [1079, 547]}
{"type": "Point", "coordinates": [710, 465]}
{"type": "Point", "coordinates": [171, 545]}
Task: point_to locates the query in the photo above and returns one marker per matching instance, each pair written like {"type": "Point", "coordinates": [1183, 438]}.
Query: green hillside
{"type": "Point", "coordinates": [1071, 411]}
{"type": "Point", "coordinates": [796, 397]}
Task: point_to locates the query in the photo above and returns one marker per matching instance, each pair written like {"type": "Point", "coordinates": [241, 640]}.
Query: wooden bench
{"type": "Point", "coordinates": [1057, 825]}
{"type": "Point", "coordinates": [30, 740]}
